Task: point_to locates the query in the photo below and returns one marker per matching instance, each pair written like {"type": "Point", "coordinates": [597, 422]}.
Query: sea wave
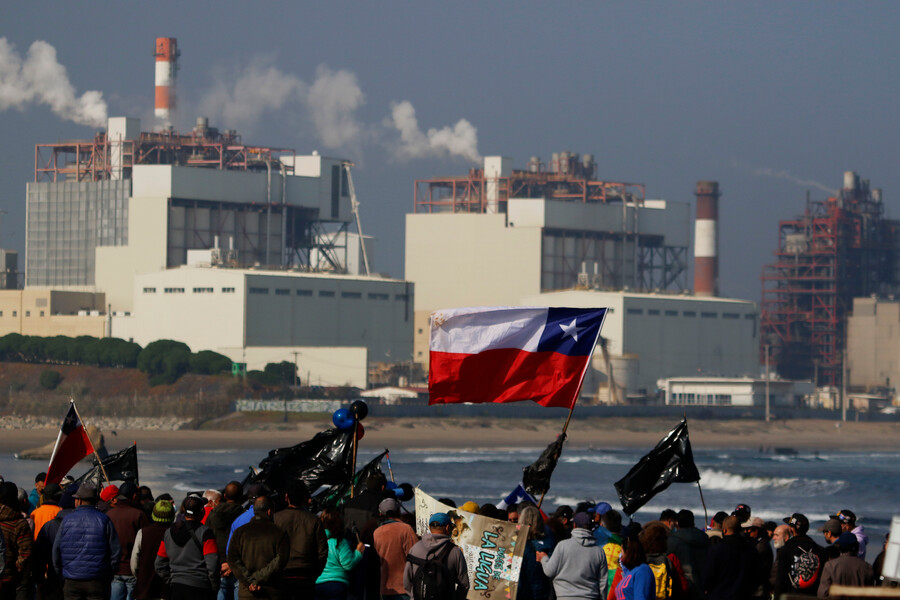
{"type": "Point", "coordinates": [601, 459]}
{"type": "Point", "coordinates": [732, 482]}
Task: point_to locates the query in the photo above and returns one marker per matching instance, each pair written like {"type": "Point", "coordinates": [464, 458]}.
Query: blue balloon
{"type": "Point", "coordinates": [342, 419]}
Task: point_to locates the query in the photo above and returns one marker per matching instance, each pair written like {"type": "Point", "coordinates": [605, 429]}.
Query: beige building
{"type": "Point", "coordinates": [48, 313]}
{"type": "Point", "coordinates": [873, 344]}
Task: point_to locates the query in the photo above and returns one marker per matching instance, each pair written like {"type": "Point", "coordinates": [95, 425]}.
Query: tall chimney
{"type": "Point", "coordinates": [166, 66]}
{"type": "Point", "coordinates": [706, 240]}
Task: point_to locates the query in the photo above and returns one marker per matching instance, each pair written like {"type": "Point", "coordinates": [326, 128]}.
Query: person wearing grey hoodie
{"type": "Point", "coordinates": [578, 565]}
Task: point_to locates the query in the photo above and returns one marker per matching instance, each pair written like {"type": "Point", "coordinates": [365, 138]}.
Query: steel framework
{"type": "Point", "coordinates": [837, 250]}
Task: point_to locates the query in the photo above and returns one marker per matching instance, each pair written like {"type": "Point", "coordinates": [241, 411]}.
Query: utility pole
{"type": "Point", "coordinates": [768, 415]}
{"type": "Point", "coordinates": [295, 353]}
{"type": "Point", "coordinates": [844, 386]}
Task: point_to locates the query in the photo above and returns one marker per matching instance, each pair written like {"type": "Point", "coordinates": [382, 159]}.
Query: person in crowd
{"type": "Point", "coordinates": [253, 492]}
{"type": "Point", "coordinates": [86, 550]}
{"type": "Point", "coordinates": [48, 582]}
{"type": "Point", "coordinates": [188, 558]}
{"type": "Point", "coordinates": [634, 580]}
{"type": "Point", "coordinates": [148, 584]}
{"type": "Point", "coordinates": [755, 530]}
{"type": "Point", "coordinates": [48, 507]}
{"type": "Point", "coordinates": [831, 531]}
{"type": "Point", "coordinates": [533, 583]}
{"type": "Point", "coordinates": [471, 506]}
{"type": "Point", "coordinates": [848, 568]}
{"type": "Point", "coordinates": [220, 520]}
{"type": "Point", "coordinates": [334, 581]}
{"type": "Point", "coordinates": [363, 507]}
{"type": "Point", "coordinates": [848, 524]}
{"type": "Point", "coordinates": [715, 527]}
{"type": "Point", "coordinates": [731, 570]}
{"type": "Point", "coordinates": [800, 560]}
{"type": "Point", "coordinates": [213, 498]}
{"type": "Point", "coordinates": [669, 518]}
{"type": "Point", "coordinates": [614, 546]}
{"type": "Point", "coordinates": [108, 497]}
{"type": "Point", "coordinates": [436, 544]}
{"type": "Point", "coordinates": [488, 510]}
{"type": "Point", "coordinates": [128, 519]}
{"type": "Point", "coordinates": [743, 513]}
{"type": "Point", "coordinates": [34, 497]}
{"type": "Point", "coordinates": [308, 544]}
{"type": "Point", "coordinates": [600, 532]}
{"type": "Point", "coordinates": [671, 582]}
{"type": "Point", "coordinates": [512, 513]}
{"type": "Point", "coordinates": [577, 566]}
{"type": "Point", "coordinates": [560, 523]}
{"type": "Point", "coordinates": [780, 535]}
{"type": "Point", "coordinates": [18, 539]}
{"type": "Point", "coordinates": [145, 498]}
{"type": "Point", "coordinates": [258, 553]}
{"type": "Point", "coordinates": [393, 539]}
{"type": "Point", "coordinates": [690, 545]}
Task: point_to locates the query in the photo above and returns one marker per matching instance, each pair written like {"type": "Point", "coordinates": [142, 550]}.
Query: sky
{"type": "Point", "coordinates": [771, 99]}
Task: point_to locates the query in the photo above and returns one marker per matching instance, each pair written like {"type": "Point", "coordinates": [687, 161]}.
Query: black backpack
{"type": "Point", "coordinates": [433, 580]}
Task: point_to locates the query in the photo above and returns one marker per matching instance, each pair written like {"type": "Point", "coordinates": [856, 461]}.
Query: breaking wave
{"type": "Point", "coordinates": [732, 482]}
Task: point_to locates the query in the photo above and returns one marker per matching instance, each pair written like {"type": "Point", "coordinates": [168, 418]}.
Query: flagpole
{"type": "Point", "coordinates": [99, 461]}
{"type": "Point", "coordinates": [353, 468]}
{"type": "Point", "coordinates": [705, 514]}
{"type": "Point", "coordinates": [390, 468]}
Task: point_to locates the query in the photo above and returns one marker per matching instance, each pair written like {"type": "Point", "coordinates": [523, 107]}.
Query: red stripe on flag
{"type": "Point", "coordinates": [76, 446]}
{"type": "Point", "coordinates": [505, 375]}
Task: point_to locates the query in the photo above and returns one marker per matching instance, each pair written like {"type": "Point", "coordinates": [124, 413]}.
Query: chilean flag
{"type": "Point", "coordinates": [72, 445]}
{"type": "Point", "coordinates": [507, 354]}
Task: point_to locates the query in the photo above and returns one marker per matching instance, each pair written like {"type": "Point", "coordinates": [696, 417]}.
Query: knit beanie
{"type": "Point", "coordinates": [163, 512]}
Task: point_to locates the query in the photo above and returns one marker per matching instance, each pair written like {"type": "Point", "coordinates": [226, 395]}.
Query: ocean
{"type": "Point", "coordinates": [816, 484]}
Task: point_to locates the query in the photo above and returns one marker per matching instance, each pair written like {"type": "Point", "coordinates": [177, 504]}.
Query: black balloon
{"type": "Point", "coordinates": [359, 409]}
{"type": "Point", "coordinates": [404, 492]}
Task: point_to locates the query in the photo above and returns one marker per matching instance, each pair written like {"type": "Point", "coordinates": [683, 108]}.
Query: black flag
{"type": "Point", "coordinates": [323, 460]}
{"type": "Point", "coordinates": [536, 477]}
{"type": "Point", "coordinates": [121, 466]}
{"type": "Point", "coordinates": [336, 495]}
{"type": "Point", "coordinates": [671, 461]}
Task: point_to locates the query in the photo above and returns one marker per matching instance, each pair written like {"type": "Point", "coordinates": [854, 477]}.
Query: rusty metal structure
{"type": "Point", "coordinates": [839, 249]}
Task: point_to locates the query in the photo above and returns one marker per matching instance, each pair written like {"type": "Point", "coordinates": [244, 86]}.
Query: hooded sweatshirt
{"type": "Point", "coordinates": [189, 556]}
{"type": "Point", "coordinates": [456, 562]}
{"type": "Point", "coordinates": [863, 539]}
{"type": "Point", "coordinates": [690, 545]}
{"type": "Point", "coordinates": [578, 567]}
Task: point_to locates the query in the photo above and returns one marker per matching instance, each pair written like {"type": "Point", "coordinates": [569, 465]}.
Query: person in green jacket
{"type": "Point", "coordinates": [334, 581]}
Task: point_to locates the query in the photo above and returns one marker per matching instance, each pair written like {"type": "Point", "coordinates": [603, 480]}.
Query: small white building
{"type": "Point", "coordinates": [734, 391]}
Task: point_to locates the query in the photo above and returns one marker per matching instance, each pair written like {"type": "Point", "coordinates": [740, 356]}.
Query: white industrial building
{"type": "Point", "coordinates": [735, 391]}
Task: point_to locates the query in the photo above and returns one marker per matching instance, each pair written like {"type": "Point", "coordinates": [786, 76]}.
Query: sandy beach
{"type": "Point", "coordinates": [457, 433]}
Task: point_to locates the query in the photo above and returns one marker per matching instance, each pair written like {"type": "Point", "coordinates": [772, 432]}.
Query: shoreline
{"type": "Point", "coordinates": [460, 433]}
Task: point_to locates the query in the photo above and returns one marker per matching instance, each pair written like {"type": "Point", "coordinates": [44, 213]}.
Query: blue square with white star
{"type": "Point", "coordinates": [571, 331]}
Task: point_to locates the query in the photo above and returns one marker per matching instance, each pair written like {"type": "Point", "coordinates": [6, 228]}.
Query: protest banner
{"type": "Point", "coordinates": [493, 548]}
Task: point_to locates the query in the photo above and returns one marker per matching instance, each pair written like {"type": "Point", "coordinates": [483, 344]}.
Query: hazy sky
{"type": "Point", "coordinates": [769, 98]}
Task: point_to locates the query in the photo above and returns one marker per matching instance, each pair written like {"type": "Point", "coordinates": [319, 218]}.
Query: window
{"type": "Point", "coordinates": [671, 313]}
{"type": "Point", "coordinates": [731, 316]}
{"type": "Point", "coordinates": [709, 315]}
{"type": "Point", "coordinates": [326, 294]}
{"type": "Point", "coordinates": [1, 313]}
{"type": "Point", "coordinates": [373, 296]}
{"type": "Point", "coordinates": [259, 290]}
{"type": "Point", "coordinates": [227, 290]}
{"type": "Point", "coordinates": [174, 290]}
{"type": "Point", "coordinates": [282, 292]}
{"type": "Point", "coordinates": [750, 316]}
{"type": "Point", "coordinates": [354, 295]}
{"type": "Point", "coordinates": [149, 290]}
{"type": "Point", "coordinates": [42, 313]}
{"type": "Point", "coordinates": [304, 292]}
{"type": "Point", "coordinates": [652, 311]}
{"type": "Point", "coordinates": [689, 313]}
{"type": "Point", "coordinates": [15, 313]}
{"type": "Point", "coordinates": [27, 313]}
{"type": "Point", "coordinates": [635, 311]}
{"type": "Point", "coordinates": [203, 290]}
{"type": "Point", "coordinates": [420, 330]}
{"type": "Point", "coordinates": [401, 297]}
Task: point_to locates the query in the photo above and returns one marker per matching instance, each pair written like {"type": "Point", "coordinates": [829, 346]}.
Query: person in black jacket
{"type": "Point", "coordinates": [800, 561]}
{"type": "Point", "coordinates": [732, 566]}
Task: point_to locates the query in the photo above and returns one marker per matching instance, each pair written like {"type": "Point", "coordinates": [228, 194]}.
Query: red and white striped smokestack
{"type": "Point", "coordinates": [166, 66]}
{"type": "Point", "coordinates": [706, 240]}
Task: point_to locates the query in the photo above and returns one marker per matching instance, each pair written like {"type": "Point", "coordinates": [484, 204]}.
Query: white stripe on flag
{"type": "Point", "coordinates": [473, 330]}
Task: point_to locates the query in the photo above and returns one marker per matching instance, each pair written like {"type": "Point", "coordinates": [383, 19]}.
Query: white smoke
{"type": "Point", "coordinates": [459, 140]}
{"type": "Point", "coordinates": [41, 79]}
{"type": "Point", "coordinates": [784, 174]}
{"type": "Point", "coordinates": [333, 100]}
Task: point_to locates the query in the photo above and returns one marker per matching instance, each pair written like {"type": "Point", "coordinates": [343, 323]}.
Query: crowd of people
{"type": "Point", "coordinates": [75, 541]}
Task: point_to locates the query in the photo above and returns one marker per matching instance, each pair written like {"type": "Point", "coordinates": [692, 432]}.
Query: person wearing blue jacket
{"type": "Point", "coordinates": [86, 550]}
{"type": "Point", "coordinates": [334, 581]}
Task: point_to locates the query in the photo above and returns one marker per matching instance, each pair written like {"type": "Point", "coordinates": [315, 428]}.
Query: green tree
{"type": "Point", "coordinates": [207, 362]}
{"type": "Point", "coordinates": [50, 379]}
{"type": "Point", "coordinates": [164, 361]}
{"type": "Point", "coordinates": [281, 373]}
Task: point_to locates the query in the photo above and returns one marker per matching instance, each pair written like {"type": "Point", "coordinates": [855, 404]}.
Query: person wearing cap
{"type": "Point", "coordinates": [831, 531]}
{"type": "Point", "coordinates": [393, 539]}
{"type": "Point", "coordinates": [86, 550]}
{"type": "Point", "coordinates": [847, 519]}
{"type": "Point", "coordinates": [46, 511]}
{"type": "Point", "coordinates": [690, 546]}
{"type": "Point", "coordinates": [755, 531]}
{"type": "Point", "coordinates": [433, 542]}
{"type": "Point", "coordinates": [258, 553]}
{"type": "Point", "coordinates": [742, 512]}
{"type": "Point", "coordinates": [107, 497]}
{"type": "Point", "coordinates": [188, 559]}
{"type": "Point", "coordinates": [309, 545]}
{"type": "Point", "coordinates": [220, 520]}
{"type": "Point", "coordinates": [847, 568]}
{"type": "Point", "coordinates": [17, 539]}
{"type": "Point", "coordinates": [800, 560]}
{"type": "Point", "coordinates": [600, 533]}
{"type": "Point", "coordinates": [128, 519]}
{"type": "Point", "coordinates": [560, 523]}
{"type": "Point", "coordinates": [148, 585]}
{"type": "Point", "coordinates": [577, 566]}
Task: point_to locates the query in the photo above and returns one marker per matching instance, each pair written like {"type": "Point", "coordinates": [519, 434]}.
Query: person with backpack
{"type": "Point", "coordinates": [667, 570]}
{"type": "Point", "coordinates": [578, 564]}
{"type": "Point", "coordinates": [334, 580]}
{"type": "Point", "coordinates": [435, 566]}
{"type": "Point", "coordinates": [800, 561]}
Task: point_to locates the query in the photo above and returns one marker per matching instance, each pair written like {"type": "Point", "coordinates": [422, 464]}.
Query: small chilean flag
{"type": "Point", "coordinates": [507, 354]}
{"type": "Point", "coordinates": [72, 445]}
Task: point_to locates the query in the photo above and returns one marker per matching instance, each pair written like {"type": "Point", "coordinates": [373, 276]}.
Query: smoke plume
{"type": "Point", "coordinates": [784, 174]}
{"type": "Point", "coordinates": [41, 79]}
{"type": "Point", "coordinates": [459, 140]}
{"type": "Point", "coordinates": [333, 99]}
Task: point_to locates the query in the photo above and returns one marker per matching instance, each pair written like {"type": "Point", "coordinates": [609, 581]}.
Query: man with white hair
{"type": "Point", "coordinates": [213, 498]}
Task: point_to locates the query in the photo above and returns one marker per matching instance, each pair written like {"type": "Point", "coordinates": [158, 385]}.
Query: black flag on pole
{"type": "Point", "coordinates": [337, 495]}
{"type": "Point", "coordinates": [121, 466]}
{"type": "Point", "coordinates": [671, 461]}
{"type": "Point", "coordinates": [536, 477]}
{"type": "Point", "coordinates": [323, 460]}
